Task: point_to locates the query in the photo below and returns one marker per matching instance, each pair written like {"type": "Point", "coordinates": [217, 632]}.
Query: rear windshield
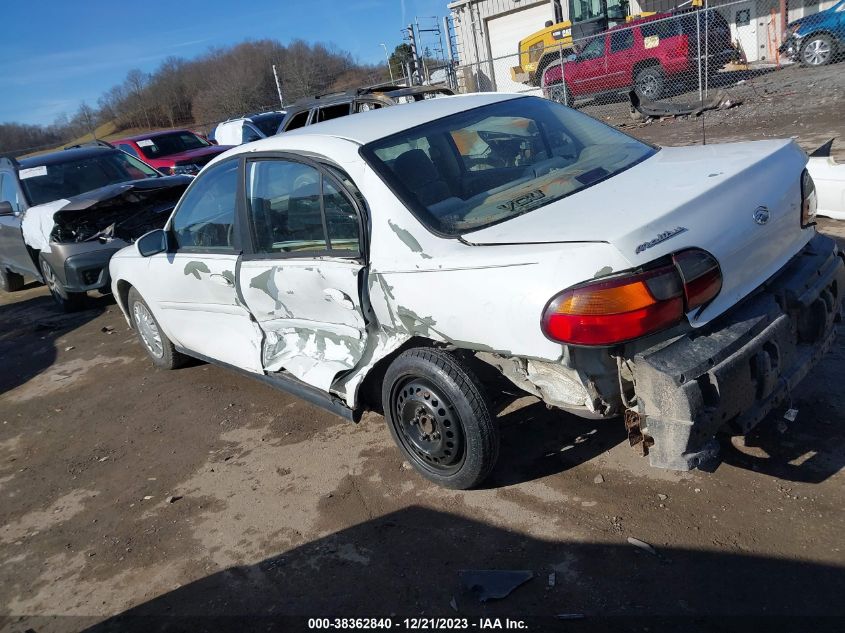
{"type": "Point", "coordinates": [65, 180]}
{"type": "Point", "coordinates": [487, 165]}
{"type": "Point", "coordinates": [268, 123]}
{"type": "Point", "coordinates": [172, 143]}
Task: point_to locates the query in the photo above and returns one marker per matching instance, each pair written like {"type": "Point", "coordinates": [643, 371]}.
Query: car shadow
{"type": "Point", "coordinates": [537, 441]}
{"type": "Point", "coordinates": [28, 332]}
{"type": "Point", "coordinates": [809, 451]}
{"type": "Point", "coordinates": [408, 564]}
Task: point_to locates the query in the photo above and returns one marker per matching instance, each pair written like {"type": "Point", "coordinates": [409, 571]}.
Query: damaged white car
{"type": "Point", "coordinates": [388, 260]}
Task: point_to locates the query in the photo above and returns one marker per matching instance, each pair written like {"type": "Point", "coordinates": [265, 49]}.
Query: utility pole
{"type": "Point", "coordinates": [414, 61]}
{"type": "Point", "coordinates": [387, 57]}
{"type": "Point", "coordinates": [278, 86]}
{"type": "Point", "coordinates": [450, 56]}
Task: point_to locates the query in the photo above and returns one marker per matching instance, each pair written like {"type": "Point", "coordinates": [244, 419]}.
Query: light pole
{"type": "Point", "coordinates": [387, 57]}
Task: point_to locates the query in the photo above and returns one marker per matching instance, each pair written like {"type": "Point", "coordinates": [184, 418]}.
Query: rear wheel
{"type": "Point", "coordinates": [818, 50]}
{"type": "Point", "coordinates": [155, 342]}
{"type": "Point", "coordinates": [649, 83]}
{"type": "Point", "coordinates": [440, 418]}
{"type": "Point", "coordinates": [67, 301]}
{"type": "Point", "coordinates": [9, 281]}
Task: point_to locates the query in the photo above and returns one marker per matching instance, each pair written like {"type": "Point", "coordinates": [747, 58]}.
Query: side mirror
{"type": "Point", "coordinates": [6, 209]}
{"type": "Point", "coordinates": [571, 58]}
{"type": "Point", "coordinates": [152, 243]}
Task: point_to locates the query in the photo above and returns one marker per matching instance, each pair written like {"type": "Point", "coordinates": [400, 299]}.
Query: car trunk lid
{"type": "Point", "coordinates": [740, 201]}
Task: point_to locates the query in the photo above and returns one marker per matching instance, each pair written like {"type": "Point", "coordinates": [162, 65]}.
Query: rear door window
{"type": "Point", "coordinates": [296, 211]}
{"type": "Point", "coordinates": [336, 111]}
{"type": "Point", "coordinates": [298, 120]}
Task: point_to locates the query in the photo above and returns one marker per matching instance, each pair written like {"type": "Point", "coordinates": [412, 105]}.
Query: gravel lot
{"type": "Point", "coordinates": [128, 491]}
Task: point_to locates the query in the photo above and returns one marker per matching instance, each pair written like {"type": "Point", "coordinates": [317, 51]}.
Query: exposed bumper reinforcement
{"type": "Point", "coordinates": [743, 365]}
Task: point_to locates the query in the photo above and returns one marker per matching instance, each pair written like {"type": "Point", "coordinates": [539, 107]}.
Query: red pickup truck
{"type": "Point", "coordinates": [648, 54]}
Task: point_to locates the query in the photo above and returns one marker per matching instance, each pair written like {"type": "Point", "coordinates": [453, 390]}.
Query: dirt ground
{"type": "Point", "coordinates": [138, 499]}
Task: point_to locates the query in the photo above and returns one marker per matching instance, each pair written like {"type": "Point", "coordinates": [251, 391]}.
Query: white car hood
{"type": "Point", "coordinates": [703, 196]}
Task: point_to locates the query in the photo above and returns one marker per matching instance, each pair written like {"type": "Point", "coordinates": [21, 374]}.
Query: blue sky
{"type": "Point", "coordinates": [58, 53]}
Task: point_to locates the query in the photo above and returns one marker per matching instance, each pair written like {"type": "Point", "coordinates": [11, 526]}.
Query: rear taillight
{"type": "Point", "coordinates": [629, 306]}
{"type": "Point", "coordinates": [809, 200]}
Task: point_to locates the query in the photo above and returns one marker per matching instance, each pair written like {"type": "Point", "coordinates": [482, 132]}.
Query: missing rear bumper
{"type": "Point", "coordinates": [744, 365]}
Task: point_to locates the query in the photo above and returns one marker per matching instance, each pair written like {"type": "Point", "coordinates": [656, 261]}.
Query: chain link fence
{"type": "Point", "coordinates": [686, 59]}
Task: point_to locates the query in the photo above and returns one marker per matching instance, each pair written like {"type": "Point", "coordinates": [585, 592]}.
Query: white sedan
{"type": "Point", "coordinates": [386, 261]}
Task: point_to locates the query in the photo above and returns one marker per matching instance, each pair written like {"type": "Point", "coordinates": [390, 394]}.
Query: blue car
{"type": "Point", "coordinates": [818, 39]}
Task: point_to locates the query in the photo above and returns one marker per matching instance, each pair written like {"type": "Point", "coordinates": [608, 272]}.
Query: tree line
{"type": "Point", "coordinates": [220, 84]}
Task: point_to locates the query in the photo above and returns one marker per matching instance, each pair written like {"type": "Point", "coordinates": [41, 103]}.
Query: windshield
{"type": "Point", "coordinates": [64, 180]}
{"type": "Point", "coordinates": [268, 123]}
{"type": "Point", "coordinates": [172, 143]}
{"type": "Point", "coordinates": [483, 166]}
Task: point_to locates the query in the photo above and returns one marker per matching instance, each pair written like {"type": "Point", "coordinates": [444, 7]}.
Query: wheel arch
{"type": "Point", "coordinates": [369, 391]}
{"type": "Point", "coordinates": [642, 64]}
{"type": "Point", "coordinates": [122, 298]}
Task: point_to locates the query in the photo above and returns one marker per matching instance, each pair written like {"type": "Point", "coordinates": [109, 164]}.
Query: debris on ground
{"type": "Point", "coordinates": [173, 498]}
{"type": "Point", "coordinates": [107, 329]}
{"type": "Point", "coordinates": [661, 496]}
{"type": "Point", "coordinates": [599, 479]}
{"type": "Point", "coordinates": [642, 545]}
{"type": "Point", "coordinates": [790, 415]}
{"type": "Point", "coordinates": [453, 603]}
{"type": "Point", "coordinates": [69, 347]}
{"type": "Point", "coordinates": [493, 584]}
{"type": "Point", "coordinates": [552, 579]}
{"type": "Point", "coordinates": [645, 109]}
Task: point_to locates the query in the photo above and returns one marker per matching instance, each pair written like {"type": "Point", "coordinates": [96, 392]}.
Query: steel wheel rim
{"type": "Point", "coordinates": [817, 52]}
{"type": "Point", "coordinates": [50, 279]}
{"type": "Point", "coordinates": [148, 329]}
{"type": "Point", "coordinates": [428, 426]}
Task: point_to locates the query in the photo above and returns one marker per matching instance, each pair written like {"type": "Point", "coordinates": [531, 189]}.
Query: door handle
{"type": "Point", "coordinates": [222, 280]}
{"type": "Point", "coordinates": [338, 296]}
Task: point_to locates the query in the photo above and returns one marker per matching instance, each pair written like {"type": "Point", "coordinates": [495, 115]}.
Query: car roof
{"type": "Point", "coordinates": [640, 20]}
{"type": "Point", "coordinates": [365, 127]}
{"type": "Point", "coordinates": [64, 156]}
{"type": "Point", "coordinates": [141, 137]}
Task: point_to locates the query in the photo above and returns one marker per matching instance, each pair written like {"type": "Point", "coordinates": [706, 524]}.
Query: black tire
{"type": "Point", "coordinates": [67, 301]}
{"type": "Point", "coordinates": [161, 350]}
{"type": "Point", "coordinates": [817, 50]}
{"type": "Point", "coordinates": [560, 93]}
{"type": "Point", "coordinates": [440, 417]}
{"type": "Point", "coordinates": [9, 281]}
{"type": "Point", "coordinates": [649, 83]}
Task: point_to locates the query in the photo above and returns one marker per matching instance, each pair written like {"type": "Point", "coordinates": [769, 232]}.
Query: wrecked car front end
{"type": "Point", "coordinates": [85, 231]}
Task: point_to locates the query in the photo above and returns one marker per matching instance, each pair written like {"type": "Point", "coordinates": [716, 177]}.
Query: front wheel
{"type": "Point", "coordinates": [155, 342]}
{"type": "Point", "coordinates": [440, 418]}
{"type": "Point", "coordinates": [817, 50]}
{"type": "Point", "coordinates": [649, 83]}
{"type": "Point", "coordinates": [67, 301]}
